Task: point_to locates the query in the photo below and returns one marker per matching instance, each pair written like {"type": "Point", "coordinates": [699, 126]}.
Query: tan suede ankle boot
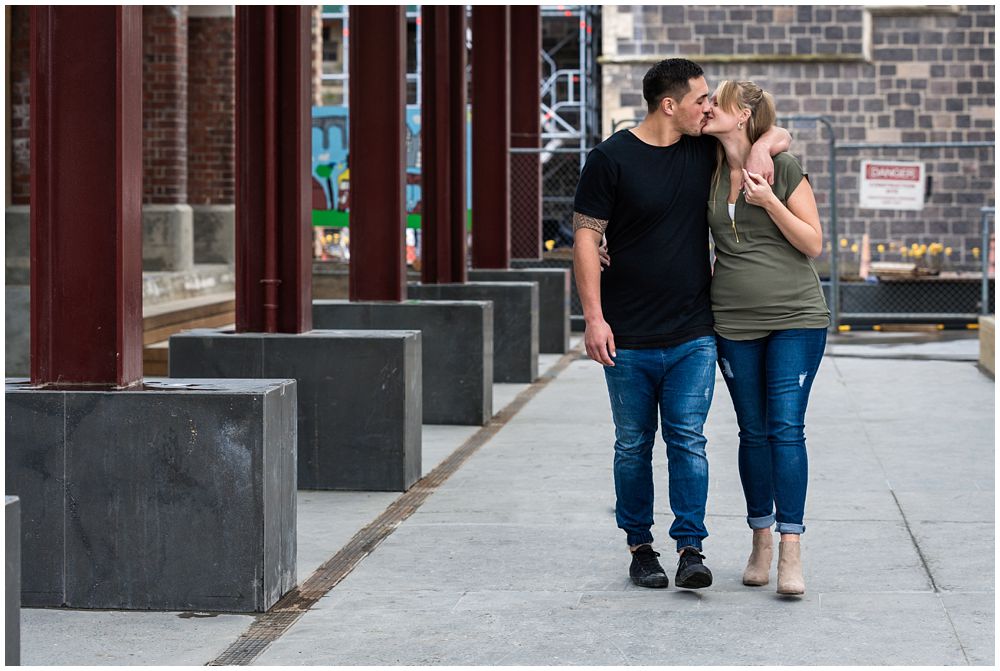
{"type": "Point", "coordinates": [790, 580]}
{"type": "Point", "coordinates": [759, 565]}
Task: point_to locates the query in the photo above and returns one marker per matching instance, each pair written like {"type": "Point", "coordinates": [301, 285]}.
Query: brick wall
{"type": "Point", "coordinates": [211, 102]}
{"type": "Point", "coordinates": [164, 111]}
{"type": "Point", "coordinates": [20, 84]}
{"type": "Point", "coordinates": [880, 76]}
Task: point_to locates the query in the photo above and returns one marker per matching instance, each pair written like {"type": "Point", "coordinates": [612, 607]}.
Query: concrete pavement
{"type": "Point", "coordinates": [516, 559]}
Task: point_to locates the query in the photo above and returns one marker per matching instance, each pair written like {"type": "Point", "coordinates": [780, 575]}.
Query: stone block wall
{"type": "Point", "coordinates": [886, 75]}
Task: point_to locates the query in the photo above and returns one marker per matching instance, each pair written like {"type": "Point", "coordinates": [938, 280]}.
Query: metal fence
{"type": "Point", "coordinates": [878, 266]}
{"type": "Point", "coordinates": [560, 172]}
{"type": "Point", "coordinates": [927, 266]}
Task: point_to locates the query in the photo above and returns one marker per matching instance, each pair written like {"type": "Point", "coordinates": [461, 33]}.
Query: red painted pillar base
{"type": "Point", "coordinates": [273, 208]}
{"type": "Point", "coordinates": [86, 195]}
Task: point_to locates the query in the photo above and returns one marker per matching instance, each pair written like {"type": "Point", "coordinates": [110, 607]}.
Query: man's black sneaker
{"type": "Point", "coordinates": [646, 570]}
{"type": "Point", "coordinates": [691, 573]}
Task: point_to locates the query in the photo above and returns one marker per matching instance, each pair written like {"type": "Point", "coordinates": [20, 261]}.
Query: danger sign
{"type": "Point", "coordinates": [892, 186]}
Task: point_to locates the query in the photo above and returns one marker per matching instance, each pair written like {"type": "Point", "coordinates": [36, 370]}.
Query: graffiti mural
{"type": "Point", "coordinates": [331, 173]}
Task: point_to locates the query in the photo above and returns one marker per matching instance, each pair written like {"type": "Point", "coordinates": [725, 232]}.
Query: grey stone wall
{"type": "Point", "coordinates": [881, 75]}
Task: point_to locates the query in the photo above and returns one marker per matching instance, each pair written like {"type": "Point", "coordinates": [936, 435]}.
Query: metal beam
{"type": "Point", "coordinates": [443, 121]}
{"type": "Point", "coordinates": [377, 152]}
{"type": "Point", "coordinates": [86, 195]}
{"type": "Point", "coordinates": [273, 208]}
{"type": "Point", "coordinates": [490, 136]}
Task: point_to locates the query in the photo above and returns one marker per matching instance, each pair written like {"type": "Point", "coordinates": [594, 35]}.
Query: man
{"type": "Point", "coordinates": [648, 316]}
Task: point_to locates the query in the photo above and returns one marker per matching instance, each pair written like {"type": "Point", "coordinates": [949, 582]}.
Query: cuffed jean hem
{"type": "Point", "coordinates": [762, 522]}
{"type": "Point", "coordinates": [688, 542]}
{"type": "Point", "coordinates": [788, 528]}
{"type": "Point", "coordinates": [638, 538]}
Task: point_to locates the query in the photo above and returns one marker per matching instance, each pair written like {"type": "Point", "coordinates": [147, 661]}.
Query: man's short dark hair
{"type": "Point", "coordinates": [669, 79]}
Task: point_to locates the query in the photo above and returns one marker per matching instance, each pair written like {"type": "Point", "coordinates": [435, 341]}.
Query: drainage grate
{"type": "Point", "coordinates": [268, 627]}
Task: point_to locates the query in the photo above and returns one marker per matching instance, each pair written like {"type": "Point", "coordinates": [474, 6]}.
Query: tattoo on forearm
{"type": "Point", "coordinates": [583, 221]}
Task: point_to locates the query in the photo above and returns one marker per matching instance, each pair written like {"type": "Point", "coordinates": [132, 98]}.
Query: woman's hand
{"type": "Point", "coordinates": [756, 190]}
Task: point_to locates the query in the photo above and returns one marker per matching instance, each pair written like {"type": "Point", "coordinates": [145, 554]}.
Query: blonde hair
{"type": "Point", "coordinates": [734, 96]}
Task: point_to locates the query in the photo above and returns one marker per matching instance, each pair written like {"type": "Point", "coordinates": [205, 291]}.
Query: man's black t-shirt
{"type": "Point", "coordinates": [656, 291]}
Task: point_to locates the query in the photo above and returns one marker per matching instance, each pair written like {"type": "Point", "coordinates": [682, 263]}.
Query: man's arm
{"type": "Point", "coordinates": [771, 143]}
{"type": "Point", "coordinates": [598, 338]}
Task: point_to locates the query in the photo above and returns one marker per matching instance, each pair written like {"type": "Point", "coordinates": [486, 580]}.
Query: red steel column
{"type": "Point", "coordinates": [443, 121]}
{"type": "Point", "coordinates": [525, 131]}
{"type": "Point", "coordinates": [490, 136]}
{"type": "Point", "coordinates": [86, 195]}
{"type": "Point", "coordinates": [459, 114]}
{"type": "Point", "coordinates": [435, 185]}
{"type": "Point", "coordinates": [377, 158]}
{"type": "Point", "coordinates": [273, 121]}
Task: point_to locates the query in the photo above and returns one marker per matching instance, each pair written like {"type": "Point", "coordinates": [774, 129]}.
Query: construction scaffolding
{"type": "Point", "coordinates": [569, 90]}
{"type": "Point", "coordinates": [569, 84]}
{"type": "Point", "coordinates": [336, 55]}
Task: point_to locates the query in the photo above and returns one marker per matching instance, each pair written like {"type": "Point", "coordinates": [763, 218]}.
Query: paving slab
{"type": "Point", "coordinates": [105, 638]}
{"type": "Point", "coordinates": [940, 346]}
{"type": "Point", "coordinates": [972, 615]}
{"type": "Point", "coordinates": [483, 591]}
{"type": "Point", "coordinates": [960, 557]}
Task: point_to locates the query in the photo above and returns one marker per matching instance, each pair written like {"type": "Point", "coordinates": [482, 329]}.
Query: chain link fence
{"type": "Point", "coordinates": [930, 264]}
{"type": "Point", "coordinates": [560, 171]}
{"type": "Point", "coordinates": [934, 265]}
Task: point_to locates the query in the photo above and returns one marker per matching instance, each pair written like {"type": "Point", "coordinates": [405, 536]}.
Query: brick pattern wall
{"type": "Point", "coordinates": [211, 108]}
{"type": "Point", "coordinates": [679, 30]}
{"type": "Point", "coordinates": [164, 112]}
{"type": "Point", "coordinates": [20, 85]}
{"type": "Point", "coordinates": [908, 77]}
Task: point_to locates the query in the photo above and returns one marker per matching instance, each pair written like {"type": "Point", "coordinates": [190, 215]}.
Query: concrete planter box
{"type": "Point", "coordinates": [457, 346]}
{"type": "Point", "coordinates": [515, 322]}
{"type": "Point", "coordinates": [359, 397]}
{"type": "Point", "coordinates": [178, 495]}
{"type": "Point", "coordinates": [553, 302]}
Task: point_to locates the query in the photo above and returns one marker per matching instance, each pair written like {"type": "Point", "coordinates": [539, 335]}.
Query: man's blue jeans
{"type": "Point", "coordinates": [769, 380]}
{"type": "Point", "coordinates": [679, 382]}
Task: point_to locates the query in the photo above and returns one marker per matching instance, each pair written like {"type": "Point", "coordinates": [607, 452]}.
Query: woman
{"type": "Point", "coordinates": [770, 320]}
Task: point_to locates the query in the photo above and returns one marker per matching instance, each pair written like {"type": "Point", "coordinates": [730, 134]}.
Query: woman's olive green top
{"type": "Point", "coordinates": [761, 283]}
